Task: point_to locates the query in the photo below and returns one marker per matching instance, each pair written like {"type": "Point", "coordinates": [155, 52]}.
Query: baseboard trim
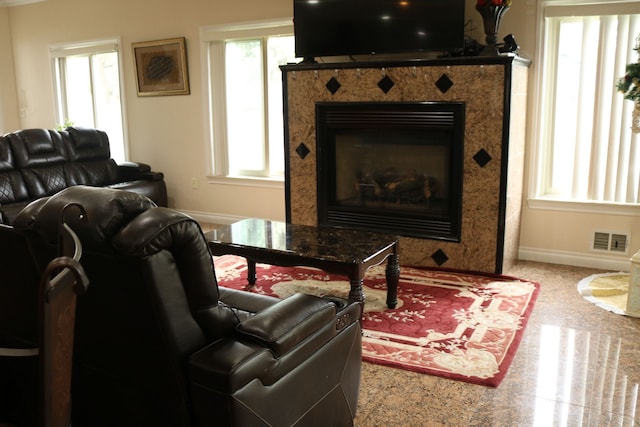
{"type": "Point", "coordinates": [604, 262]}
{"type": "Point", "coordinates": [212, 218]}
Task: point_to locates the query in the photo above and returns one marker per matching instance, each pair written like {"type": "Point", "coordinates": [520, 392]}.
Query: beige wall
{"type": "Point", "coordinates": [551, 234]}
{"type": "Point", "coordinates": [170, 132]}
{"type": "Point", "coordinates": [167, 132]}
{"type": "Point", "coordinates": [8, 98]}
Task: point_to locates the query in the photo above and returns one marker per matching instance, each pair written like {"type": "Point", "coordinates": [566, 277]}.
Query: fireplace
{"type": "Point", "coordinates": [391, 167]}
{"type": "Point", "coordinates": [471, 215]}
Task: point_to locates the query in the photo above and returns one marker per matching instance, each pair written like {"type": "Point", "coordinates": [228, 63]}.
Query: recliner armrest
{"type": "Point", "coordinates": [285, 324]}
{"type": "Point", "coordinates": [131, 171]}
{"type": "Point", "coordinates": [135, 166]}
{"type": "Point", "coordinates": [264, 347]}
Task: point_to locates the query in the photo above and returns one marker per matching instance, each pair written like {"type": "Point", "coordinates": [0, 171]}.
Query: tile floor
{"type": "Point", "coordinates": [578, 365]}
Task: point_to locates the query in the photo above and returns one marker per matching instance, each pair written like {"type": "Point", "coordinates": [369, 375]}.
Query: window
{"type": "Point", "coordinates": [245, 97]}
{"type": "Point", "coordinates": [586, 150]}
{"type": "Point", "coordinates": [87, 87]}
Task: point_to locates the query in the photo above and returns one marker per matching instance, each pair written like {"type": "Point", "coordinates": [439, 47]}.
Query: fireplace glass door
{"type": "Point", "coordinates": [391, 167]}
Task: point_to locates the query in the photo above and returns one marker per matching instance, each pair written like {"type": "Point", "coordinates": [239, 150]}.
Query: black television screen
{"type": "Point", "coordinates": [355, 27]}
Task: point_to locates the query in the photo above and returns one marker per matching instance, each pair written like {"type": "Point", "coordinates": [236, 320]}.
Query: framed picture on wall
{"type": "Point", "coordinates": [161, 67]}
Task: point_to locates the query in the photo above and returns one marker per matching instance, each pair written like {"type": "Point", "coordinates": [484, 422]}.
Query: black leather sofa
{"type": "Point", "coordinates": [35, 163]}
{"type": "Point", "coordinates": [158, 343]}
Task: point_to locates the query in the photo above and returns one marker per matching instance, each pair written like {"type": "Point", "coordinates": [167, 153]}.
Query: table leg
{"type": "Point", "coordinates": [251, 273]}
{"type": "Point", "coordinates": [356, 294]}
{"type": "Point", "coordinates": [392, 276]}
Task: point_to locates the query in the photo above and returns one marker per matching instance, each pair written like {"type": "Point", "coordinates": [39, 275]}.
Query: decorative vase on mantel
{"type": "Point", "coordinates": [491, 12]}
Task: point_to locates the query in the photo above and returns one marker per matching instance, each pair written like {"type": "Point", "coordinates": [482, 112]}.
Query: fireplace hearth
{"type": "Point", "coordinates": [391, 167]}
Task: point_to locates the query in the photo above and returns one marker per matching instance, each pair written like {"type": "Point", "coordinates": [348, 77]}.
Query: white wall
{"type": "Point", "coordinates": [170, 132]}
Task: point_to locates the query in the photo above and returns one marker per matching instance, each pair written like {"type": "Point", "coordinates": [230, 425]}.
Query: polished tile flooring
{"type": "Point", "coordinates": [577, 365]}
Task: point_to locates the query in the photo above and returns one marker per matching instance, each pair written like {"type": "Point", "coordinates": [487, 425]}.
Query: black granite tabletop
{"type": "Point", "coordinates": [328, 243]}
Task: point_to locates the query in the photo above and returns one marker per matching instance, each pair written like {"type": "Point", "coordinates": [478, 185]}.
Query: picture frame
{"type": "Point", "coordinates": [161, 67]}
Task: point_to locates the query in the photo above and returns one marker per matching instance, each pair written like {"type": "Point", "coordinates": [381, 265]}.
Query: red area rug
{"type": "Point", "coordinates": [457, 325]}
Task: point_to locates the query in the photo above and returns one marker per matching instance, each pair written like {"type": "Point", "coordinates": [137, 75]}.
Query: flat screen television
{"type": "Point", "coordinates": [357, 27]}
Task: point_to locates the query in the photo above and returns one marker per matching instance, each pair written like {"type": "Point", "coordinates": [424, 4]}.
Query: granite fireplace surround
{"type": "Point", "coordinates": [494, 92]}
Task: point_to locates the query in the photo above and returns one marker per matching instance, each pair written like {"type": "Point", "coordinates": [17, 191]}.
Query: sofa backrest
{"type": "Point", "coordinates": [89, 157]}
{"type": "Point", "coordinates": [86, 144]}
{"type": "Point", "coordinates": [40, 157]}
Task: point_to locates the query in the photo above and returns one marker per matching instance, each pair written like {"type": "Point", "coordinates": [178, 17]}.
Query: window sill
{"type": "Point", "coordinates": [584, 207]}
{"type": "Point", "coordinates": [277, 183]}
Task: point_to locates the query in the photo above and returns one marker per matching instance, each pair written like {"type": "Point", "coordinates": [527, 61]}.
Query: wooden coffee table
{"type": "Point", "coordinates": [333, 250]}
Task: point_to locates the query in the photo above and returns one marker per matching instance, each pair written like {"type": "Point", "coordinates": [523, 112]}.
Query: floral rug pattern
{"type": "Point", "coordinates": [457, 325]}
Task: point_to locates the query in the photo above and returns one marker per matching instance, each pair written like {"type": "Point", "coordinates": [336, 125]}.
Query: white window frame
{"type": "Point", "coordinates": [539, 166]}
{"type": "Point", "coordinates": [64, 50]}
{"type": "Point", "coordinates": [213, 59]}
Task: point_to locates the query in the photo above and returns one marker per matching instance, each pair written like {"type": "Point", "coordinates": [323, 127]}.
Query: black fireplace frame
{"type": "Point", "coordinates": [449, 116]}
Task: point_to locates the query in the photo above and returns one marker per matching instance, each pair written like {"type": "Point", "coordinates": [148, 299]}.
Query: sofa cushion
{"type": "Point", "coordinates": [45, 181]}
{"type": "Point", "coordinates": [6, 155]}
{"type": "Point", "coordinates": [97, 173]}
{"type": "Point", "coordinates": [12, 186]}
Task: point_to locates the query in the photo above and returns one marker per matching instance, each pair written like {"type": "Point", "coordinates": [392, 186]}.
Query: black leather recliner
{"type": "Point", "coordinates": [159, 344]}
{"type": "Point", "coordinates": [35, 349]}
{"type": "Point", "coordinates": [19, 277]}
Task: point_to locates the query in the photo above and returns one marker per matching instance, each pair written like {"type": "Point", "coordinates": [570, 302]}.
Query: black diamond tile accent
{"type": "Point", "coordinates": [439, 257]}
{"type": "Point", "coordinates": [444, 83]}
{"type": "Point", "coordinates": [386, 84]}
{"type": "Point", "coordinates": [302, 150]}
{"type": "Point", "coordinates": [482, 158]}
{"type": "Point", "coordinates": [333, 85]}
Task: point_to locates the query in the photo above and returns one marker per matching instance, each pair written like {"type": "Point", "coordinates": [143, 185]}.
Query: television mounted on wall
{"type": "Point", "coordinates": [361, 27]}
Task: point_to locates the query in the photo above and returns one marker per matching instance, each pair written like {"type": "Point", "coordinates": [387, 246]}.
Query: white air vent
{"type": "Point", "coordinates": [601, 241]}
{"type": "Point", "coordinates": [611, 242]}
{"type": "Point", "coordinates": [619, 243]}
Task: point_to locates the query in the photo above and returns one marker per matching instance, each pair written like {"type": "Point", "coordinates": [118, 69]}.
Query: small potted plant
{"type": "Point", "coordinates": [629, 85]}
